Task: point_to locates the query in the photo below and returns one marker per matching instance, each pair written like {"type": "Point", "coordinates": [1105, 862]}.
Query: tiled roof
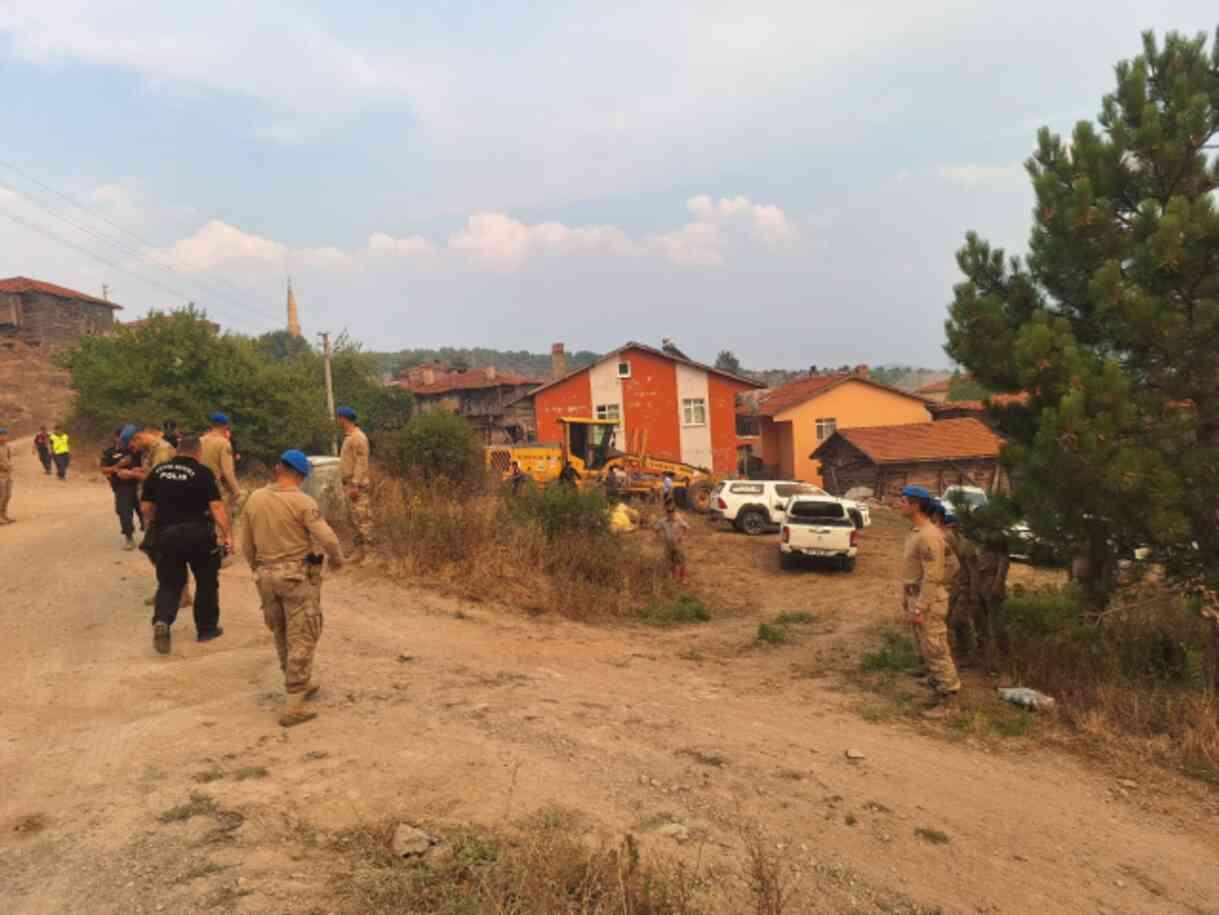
{"type": "Point", "coordinates": [794, 393]}
{"type": "Point", "coordinates": [947, 440]}
{"type": "Point", "coordinates": [469, 381]}
{"type": "Point", "coordinates": [655, 352]}
{"type": "Point", "coordinates": [19, 284]}
{"type": "Point", "coordinates": [936, 387]}
{"type": "Point", "coordinates": [979, 406]}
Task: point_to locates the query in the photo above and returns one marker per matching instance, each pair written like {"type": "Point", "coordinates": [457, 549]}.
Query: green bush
{"type": "Point", "coordinates": [771, 633]}
{"type": "Point", "coordinates": [685, 609]}
{"type": "Point", "coordinates": [176, 366]}
{"type": "Point", "coordinates": [562, 511]}
{"type": "Point", "coordinates": [897, 654]}
{"type": "Point", "coordinates": [433, 446]}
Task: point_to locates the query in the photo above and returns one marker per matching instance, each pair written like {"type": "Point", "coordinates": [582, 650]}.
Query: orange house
{"type": "Point", "coordinates": [783, 426]}
{"type": "Point", "coordinates": [673, 407]}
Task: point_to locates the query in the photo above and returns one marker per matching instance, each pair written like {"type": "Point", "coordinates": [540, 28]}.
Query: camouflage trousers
{"type": "Point", "coordinates": [6, 493]}
{"type": "Point", "coordinates": [361, 515]}
{"type": "Point", "coordinates": [931, 637]}
{"type": "Point", "coordinates": [291, 594]}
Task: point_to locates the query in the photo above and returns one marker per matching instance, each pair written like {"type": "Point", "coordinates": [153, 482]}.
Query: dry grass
{"type": "Point", "coordinates": [481, 546]}
{"type": "Point", "coordinates": [540, 868]}
{"type": "Point", "coordinates": [1138, 677]}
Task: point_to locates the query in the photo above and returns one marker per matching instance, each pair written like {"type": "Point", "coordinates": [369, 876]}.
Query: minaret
{"type": "Point", "coordinates": [294, 321]}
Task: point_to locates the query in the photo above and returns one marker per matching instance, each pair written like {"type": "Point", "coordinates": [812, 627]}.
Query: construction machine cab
{"type": "Point", "coordinates": [590, 440]}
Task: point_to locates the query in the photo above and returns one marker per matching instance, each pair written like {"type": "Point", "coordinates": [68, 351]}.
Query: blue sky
{"type": "Point", "coordinates": [788, 180]}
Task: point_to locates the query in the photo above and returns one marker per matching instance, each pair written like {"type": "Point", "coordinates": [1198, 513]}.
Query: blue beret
{"type": "Point", "coordinates": [347, 413]}
{"type": "Point", "coordinates": [127, 434]}
{"type": "Point", "coordinates": [916, 492]}
{"type": "Point", "coordinates": [296, 460]}
{"type": "Point", "coordinates": [219, 419]}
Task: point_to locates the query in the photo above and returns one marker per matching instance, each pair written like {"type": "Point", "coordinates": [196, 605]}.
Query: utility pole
{"type": "Point", "coordinates": [334, 442]}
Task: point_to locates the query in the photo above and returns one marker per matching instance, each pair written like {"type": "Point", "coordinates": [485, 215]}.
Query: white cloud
{"type": "Point", "coordinates": [412, 246]}
{"type": "Point", "coordinates": [500, 241]}
{"type": "Point", "coordinates": [982, 176]}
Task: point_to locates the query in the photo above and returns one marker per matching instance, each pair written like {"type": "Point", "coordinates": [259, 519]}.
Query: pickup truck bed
{"type": "Point", "coordinates": [818, 529]}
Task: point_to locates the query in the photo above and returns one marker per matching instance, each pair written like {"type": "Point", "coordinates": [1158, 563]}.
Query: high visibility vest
{"type": "Point", "coordinates": [59, 443]}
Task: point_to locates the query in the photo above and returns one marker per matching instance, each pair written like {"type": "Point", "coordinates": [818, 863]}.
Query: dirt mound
{"type": "Point", "coordinates": [33, 390]}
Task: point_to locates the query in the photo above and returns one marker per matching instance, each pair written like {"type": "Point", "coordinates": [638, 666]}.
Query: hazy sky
{"type": "Point", "coordinates": [788, 180]}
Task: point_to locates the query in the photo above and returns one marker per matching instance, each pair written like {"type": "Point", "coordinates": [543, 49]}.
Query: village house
{"type": "Point", "coordinates": [936, 392]}
{"type": "Point", "coordinates": [42, 314]}
{"type": "Point", "coordinates": [497, 404]}
{"type": "Point", "coordinates": [778, 428]}
{"type": "Point", "coordinates": [931, 454]}
{"type": "Point", "coordinates": [664, 404]}
{"type": "Point", "coordinates": [976, 409]}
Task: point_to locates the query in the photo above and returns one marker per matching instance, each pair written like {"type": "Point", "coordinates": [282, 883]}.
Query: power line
{"type": "Point", "coordinates": [127, 248]}
{"type": "Point", "coordinates": [143, 241]}
{"type": "Point", "coordinates": [42, 230]}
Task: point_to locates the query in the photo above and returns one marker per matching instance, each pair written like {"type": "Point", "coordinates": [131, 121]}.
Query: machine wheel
{"type": "Point", "coordinates": [847, 564]}
{"type": "Point", "coordinates": [698, 496]}
{"type": "Point", "coordinates": [752, 522]}
{"type": "Point", "coordinates": [787, 561]}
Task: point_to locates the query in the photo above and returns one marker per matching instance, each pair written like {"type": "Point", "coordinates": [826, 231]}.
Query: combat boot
{"type": "Point", "coordinates": [130, 544]}
{"type": "Point", "coordinates": [294, 712]}
{"type": "Point", "coordinates": [313, 689]}
{"type": "Point", "coordinates": [945, 707]}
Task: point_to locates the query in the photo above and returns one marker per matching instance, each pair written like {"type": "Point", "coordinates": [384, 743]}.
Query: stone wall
{"type": "Point", "coordinates": [39, 319]}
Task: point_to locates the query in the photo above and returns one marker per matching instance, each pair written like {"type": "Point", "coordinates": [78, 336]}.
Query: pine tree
{"type": "Point", "coordinates": [727, 361]}
{"type": "Point", "coordinates": [1111, 323]}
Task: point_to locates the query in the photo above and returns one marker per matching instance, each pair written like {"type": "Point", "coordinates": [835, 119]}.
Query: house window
{"type": "Point", "coordinates": [694, 411]}
{"type": "Point", "coordinates": [748, 427]}
{"type": "Point", "coordinates": [826, 428]}
{"type": "Point", "coordinates": [609, 411]}
{"type": "Point", "coordinates": [624, 370]}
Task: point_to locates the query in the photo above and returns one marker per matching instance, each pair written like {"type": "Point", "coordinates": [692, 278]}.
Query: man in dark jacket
{"type": "Point", "coordinates": [182, 500]}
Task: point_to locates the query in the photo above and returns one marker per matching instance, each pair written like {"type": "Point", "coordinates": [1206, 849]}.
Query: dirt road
{"type": "Point", "coordinates": [436, 711]}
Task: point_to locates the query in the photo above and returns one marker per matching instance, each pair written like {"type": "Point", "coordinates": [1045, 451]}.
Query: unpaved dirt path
{"type": "Point", "coordinates": [434, 710]}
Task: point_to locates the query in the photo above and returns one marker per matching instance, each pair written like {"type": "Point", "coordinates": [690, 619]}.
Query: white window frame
{"type": "Point", "coordinates": [690, 406]}
{"type": "Point", "coordinates": [609, 411]}
{"type": "Point", "coordinates": [822, 423]}
{"type": "Point", "coordinates": [624, 368]}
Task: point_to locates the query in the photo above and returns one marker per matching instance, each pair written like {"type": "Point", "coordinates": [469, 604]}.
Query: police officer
{"type": "Point", "coordinates": [353, 466]}
{"type": "Point", "coordinates": [926, 598]}
{"type": "Point", "coordinates": [282, 540]}
{"type": "Point", "coordinates": [61, 451]}
{"type": "Point", "coordinates": [6, 476]}
{"type": "Point", "coordinates": [154, 450]}
{"type": "Point", "coordinates": [183, 501]}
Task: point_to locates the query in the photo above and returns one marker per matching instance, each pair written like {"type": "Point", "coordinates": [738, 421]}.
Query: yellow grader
{"type": "Point", "coordinates": [588, 448]}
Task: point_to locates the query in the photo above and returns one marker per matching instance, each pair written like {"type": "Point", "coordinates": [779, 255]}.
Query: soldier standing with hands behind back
{"type": "Point", "coordinates": [353, 466]}
{"type": "Point", "coordinates": [282, 539]}
{"type": "Point", "coordinates": [926, 599]}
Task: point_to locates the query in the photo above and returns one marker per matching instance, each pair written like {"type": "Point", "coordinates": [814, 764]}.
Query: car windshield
{"type": "Point", "coordinates": [787, 490]}
{"type": "Point", "coordinates": [967, 498]}
{"type": "Point", "coordinates": [805, 510]}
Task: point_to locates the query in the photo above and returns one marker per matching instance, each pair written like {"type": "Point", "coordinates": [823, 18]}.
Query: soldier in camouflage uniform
{"type": "Point", "coordinates": [6, 477]}
{"type": "Point", "coordinates": [283, 539]}
{"type": "Point", "coordinates": [956, 577]}
{"type": "Point", "coordinates": [353, 466]}
{"type": "Point", "coordinates": [926, 597]}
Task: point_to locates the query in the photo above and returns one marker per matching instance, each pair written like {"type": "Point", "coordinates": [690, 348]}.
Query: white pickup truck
{"type": "Point", "coordinates": [757, 506]}
{"type": "Point", "coordinates": [818, 528]}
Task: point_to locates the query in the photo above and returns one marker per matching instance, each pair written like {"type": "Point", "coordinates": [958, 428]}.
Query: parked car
{"type": "Point", "coordinates": [818, 528]}
{"type": "Point", "coordinates": [758, 506]}
{"type": "Point", "coordinates": [965, 496]}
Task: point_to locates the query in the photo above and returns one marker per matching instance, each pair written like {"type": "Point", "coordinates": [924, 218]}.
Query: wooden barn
{"type": "Point", "coordinates": [935, 455]}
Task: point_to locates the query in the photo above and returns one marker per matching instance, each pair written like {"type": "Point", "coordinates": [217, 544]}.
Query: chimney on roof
{"type": "Point", "coordinates": [861, 370]}
{"type": "Point", "coordinates": [489, 371]}
{"type": "Point", "coordinates": [558, 361]}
